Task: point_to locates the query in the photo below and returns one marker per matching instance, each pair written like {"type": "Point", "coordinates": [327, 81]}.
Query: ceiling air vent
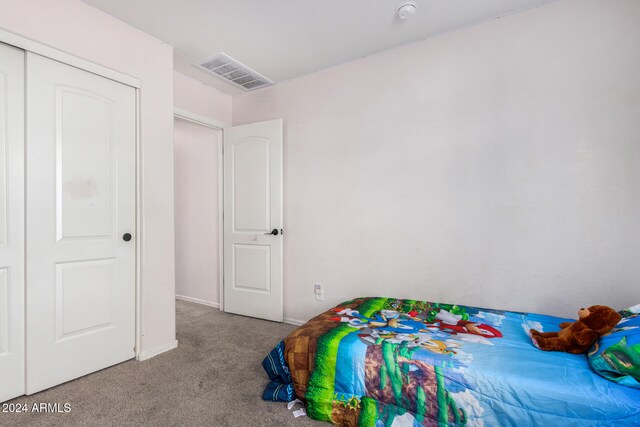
{"type": "Point", "coordinates": [229, 69]}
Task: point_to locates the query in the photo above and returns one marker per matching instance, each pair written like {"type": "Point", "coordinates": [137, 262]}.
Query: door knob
{"type": "Point", "coordinates": [273, 232]}
{"type": "Point", "coordinates": [126, 237]}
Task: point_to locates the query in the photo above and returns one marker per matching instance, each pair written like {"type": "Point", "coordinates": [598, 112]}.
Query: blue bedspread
{"type": "Point", "coordinates": [390, 362]}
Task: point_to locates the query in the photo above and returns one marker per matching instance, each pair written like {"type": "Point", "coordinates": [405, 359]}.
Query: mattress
{"type": "Point", "coordinates": [398, 362]}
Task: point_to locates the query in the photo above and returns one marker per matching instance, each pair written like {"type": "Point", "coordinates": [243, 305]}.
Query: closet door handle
{"type": "Point", "coordinates": [126, 237]}
{"type": "Point", "coordinates": [274, 232]}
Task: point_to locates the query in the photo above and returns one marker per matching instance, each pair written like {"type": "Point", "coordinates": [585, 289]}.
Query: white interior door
{"type": "Point", "coordinates": [253, 220]}
{"type": "Point", "coordinates": [81, 132]}
{"type": "Point", "coordinates": [11, 222]}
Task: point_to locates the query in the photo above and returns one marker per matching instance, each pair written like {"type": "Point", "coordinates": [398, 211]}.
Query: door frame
{"type": "Point", "coordinates": [188, 116]}
{"type": "Point", "coordinates": [29, 45]}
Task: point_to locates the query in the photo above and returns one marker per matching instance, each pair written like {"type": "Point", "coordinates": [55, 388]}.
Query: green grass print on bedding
{"type": "Point", "coordinates": [320, 392]}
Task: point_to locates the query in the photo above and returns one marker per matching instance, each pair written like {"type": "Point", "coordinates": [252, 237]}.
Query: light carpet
{"type": "Point", "coordinates": [213, 378]}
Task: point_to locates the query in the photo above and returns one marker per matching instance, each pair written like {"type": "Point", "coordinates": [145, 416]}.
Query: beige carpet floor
{"type": "Point", "coordinates": [213, 378]}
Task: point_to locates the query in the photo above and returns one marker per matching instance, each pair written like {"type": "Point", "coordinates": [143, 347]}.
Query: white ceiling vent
{"type": "Point", "coordinates": [229, 69]}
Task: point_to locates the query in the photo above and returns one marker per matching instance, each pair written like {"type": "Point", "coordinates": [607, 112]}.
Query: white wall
{"type": "Point", "coordinates": [197, 212]}
{"type": "Point", "coordinates": [74, 27]}
{"type": "Point", "coordinates": [493, 166]}
{"type": "Point", "coordinates": [195, 97]}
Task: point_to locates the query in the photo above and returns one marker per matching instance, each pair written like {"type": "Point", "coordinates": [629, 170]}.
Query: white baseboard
{"type": "Point", "coordinates": [198, 301]}
{"type": "Point", "coordinates": [295, 322]}
{"type": "Point", "coordinates": [145, 355]}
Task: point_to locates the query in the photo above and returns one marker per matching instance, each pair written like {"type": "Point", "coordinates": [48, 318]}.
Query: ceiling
{"type": "Point", "coordinates": [283, 39]}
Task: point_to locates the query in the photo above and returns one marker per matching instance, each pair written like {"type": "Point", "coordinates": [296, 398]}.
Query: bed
{"type": "Point", "coordinates": [397, 362]}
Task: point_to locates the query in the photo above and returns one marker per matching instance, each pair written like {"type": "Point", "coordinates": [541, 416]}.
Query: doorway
{"type": "Point", "coordinates": [197, 210]}
{"type": "Point", "coordinates": [236, 263]}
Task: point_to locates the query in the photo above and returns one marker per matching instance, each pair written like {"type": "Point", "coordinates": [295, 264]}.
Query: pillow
{"type": "Point", "coordinates": [616, 355]}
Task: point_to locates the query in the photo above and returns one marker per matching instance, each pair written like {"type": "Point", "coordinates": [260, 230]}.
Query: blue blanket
{"type": "Point", "coordinates": [280, 387]}
{"type": "Point", "coordinates": [390, 362]}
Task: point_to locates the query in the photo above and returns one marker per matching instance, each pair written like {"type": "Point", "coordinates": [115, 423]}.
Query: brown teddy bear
{"type": "Point", "coordinates": [578, 336]}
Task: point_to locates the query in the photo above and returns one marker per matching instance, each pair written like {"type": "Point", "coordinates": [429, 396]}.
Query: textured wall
{"type": "Point", "coordinates": [495, 166]}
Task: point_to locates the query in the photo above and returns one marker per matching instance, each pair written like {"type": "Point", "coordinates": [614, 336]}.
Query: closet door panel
{"type": "Point", "coordinates": [80, 203]}
{"type": "Point", "coordinates": [11, 222]}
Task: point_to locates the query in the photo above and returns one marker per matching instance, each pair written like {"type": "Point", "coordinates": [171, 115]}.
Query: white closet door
{"type": "Point", "coordinates": [11, 222]}
{"type": "Point", "coordinates": [80, 203]}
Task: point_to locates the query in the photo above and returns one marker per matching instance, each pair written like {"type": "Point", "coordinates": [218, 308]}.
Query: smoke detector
{"type": "Point", "coordinates": [406, 10]}
{"type": "Point", "coordinates": [232, 71]}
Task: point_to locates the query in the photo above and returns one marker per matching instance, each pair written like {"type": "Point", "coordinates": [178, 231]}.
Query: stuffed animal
{"type": "Point", "coordinates": [579, 336]}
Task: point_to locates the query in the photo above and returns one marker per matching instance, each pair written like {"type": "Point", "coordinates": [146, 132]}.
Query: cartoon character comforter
{"type": "Point", "coordinates": [392, 362]}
